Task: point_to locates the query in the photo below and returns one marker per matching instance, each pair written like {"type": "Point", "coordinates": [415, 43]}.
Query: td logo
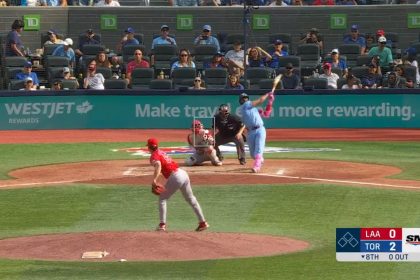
{"type": "Point", "coordinates": [260, 22]}
{"type": "Point", "coordinates": [338, 21]}
{"type": "Point", "coordinates": [108, 22]}
{"type": "Point", "coordinates": [32, 22]}
{"type": "Point", "coordinates": [184, 22]}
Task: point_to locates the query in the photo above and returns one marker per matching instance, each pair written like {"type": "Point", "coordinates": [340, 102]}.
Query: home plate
{"type": "Point", "coordinates": [95, 255]}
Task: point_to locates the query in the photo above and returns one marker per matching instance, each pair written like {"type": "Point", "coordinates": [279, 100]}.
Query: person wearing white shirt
{"type": "Point", "coordinates": [107, 3]}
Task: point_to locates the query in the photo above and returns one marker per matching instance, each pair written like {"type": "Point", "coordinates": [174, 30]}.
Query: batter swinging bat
{"type": "Point", "coordinates": [276, 82]}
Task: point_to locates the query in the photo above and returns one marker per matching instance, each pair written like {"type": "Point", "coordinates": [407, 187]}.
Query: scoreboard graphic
{"type": "Point", "coordinates": [378, 244]}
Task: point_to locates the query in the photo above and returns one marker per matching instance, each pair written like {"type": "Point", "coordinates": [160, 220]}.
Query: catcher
{"type": "Point", "coordinates": [203, 143]}
{"type": "Point", "coordinates": [177, 179]}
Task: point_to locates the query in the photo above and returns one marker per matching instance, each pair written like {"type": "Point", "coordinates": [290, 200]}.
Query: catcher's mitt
{"type": "Point", "coordinates": [158, 189]}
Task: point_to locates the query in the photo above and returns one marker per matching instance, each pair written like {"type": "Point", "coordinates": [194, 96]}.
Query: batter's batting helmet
{"type": "Point", "coordinates": [196, 126]}
{"type": "Point", "coordinates": [243, 97]}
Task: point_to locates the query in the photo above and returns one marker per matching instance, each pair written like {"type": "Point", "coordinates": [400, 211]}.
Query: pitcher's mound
{"type": "Point", "coordinates": [148, 246]}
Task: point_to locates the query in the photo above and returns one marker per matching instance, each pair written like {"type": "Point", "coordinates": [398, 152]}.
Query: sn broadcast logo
{"type": "Point", "coordinates": [413, 239]}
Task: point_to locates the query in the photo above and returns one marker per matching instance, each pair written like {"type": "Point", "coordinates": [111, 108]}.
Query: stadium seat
{"type": "Point", "coordinates": [351, 51]}
{"type": "Point", "coordinates": [141, 77]}
{"type": "Point", "coordinates": [202, 53]}
{"type": "Point", "coordinates": [360, 71]}
{"type": "Point", "coordinates": [363, 60]}
{"type": "Point", "coordinates": [255, 74]}
{"type": "Point", "coordinates": [309, 58]}
{"type": "Point", "coordinates": [105, 71]}
{"type": "Point", "coordinates": [315, 83]}
{"type": "Point", "coordinates": [70, 84]}
{"type": "Point", "coordinates": [115, 84]}
{"type": "Point", "coordinates": [92, 49]}
{"type": "Point", "coordinates": [216, 78]}
{"type": "Point", "coordinates": [161, 84]}
{"type": "Point", "coordinates": [268, 84]}
{"type": "Point", "coordinates": [163, 54]}
{"type": "Point", "coordinates": [183, 76]}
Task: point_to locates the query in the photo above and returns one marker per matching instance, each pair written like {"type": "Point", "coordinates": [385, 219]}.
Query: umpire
{"type": "Point", "coordinates": [229, 129]}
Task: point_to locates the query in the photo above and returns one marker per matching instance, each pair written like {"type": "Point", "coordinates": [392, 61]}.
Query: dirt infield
{"type": "Point", "coordinates": [142, 246]}
{"type": "Point", "coordinates": [148, 246]}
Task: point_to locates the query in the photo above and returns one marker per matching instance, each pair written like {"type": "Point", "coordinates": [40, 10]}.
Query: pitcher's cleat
{"type": "Point", "coordinates": [161, 227]}
{"type": "Point", "coordinates": [202, 226]}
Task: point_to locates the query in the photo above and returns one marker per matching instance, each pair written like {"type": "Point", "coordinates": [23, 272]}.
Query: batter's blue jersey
{"type": "Point", "coordinates": [250, 116]}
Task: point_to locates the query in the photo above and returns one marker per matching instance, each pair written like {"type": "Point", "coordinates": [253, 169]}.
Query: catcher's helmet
{"type": "Point", "coordinates": [242, 98]}
{"type": "Point", "coordinates": [196, 126]}
{"type": "Point", "coordinates": [224, 110]}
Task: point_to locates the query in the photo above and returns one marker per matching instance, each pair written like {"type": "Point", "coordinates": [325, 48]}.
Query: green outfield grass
{"type": "Point", "coordinates": [308, 212]}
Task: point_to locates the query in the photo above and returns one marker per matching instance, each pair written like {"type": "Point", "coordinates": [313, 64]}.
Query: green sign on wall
{"type": "Point", "coordinates": [338, 21]}
{"type": "Point", "coordinates": [184, 22]}
{"type": "Point", "coordinates": [260, 22]}
{"type": "Point", "coordinates": [109, 22]}
{"type": "Point", "coordinates": [32, 22]}
{"type": "Point", "coordinates": [413, 20]}
{"type": "Point", "coordinates": [358, 110]}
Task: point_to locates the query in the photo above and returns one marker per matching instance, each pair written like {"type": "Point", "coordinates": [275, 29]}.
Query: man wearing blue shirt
{"type": "Point", "coordinates": [164, 38]}
{"type": "Point", "coordinates": [27, 72]}
{"type": "Point", "coordinates": [66, 51]}
{"type": "Point", "coordinates": [355, 38]}
{"type": "Point", "coordinates": [206, 39]}
{"type": "Point", "coordinates": [255, 126]}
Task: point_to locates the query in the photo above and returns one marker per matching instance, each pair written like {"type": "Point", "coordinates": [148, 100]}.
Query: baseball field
{"type": "Point", "coordinates": [65, 193]}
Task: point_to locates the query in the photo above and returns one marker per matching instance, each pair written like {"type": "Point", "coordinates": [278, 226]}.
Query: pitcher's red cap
{"type": "Point", "coordinates": [152, 142]}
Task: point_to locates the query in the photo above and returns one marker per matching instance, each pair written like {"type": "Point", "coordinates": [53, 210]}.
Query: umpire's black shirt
{"type": "Point", "coordinates": [228, 127]}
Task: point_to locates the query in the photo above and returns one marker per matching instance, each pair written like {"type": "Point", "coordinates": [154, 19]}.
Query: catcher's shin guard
{"type": "Point", "coordinates": [214, 159]}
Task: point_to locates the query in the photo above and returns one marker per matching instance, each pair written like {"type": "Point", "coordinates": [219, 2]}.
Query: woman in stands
{"type": "Point", "coordinates": [14, 46]}
{"type": "Point", "coordinates": [400, 71]}
{"type": "Point", "coordinates": [93, 80]}
{"type": "Point", "coordinates": [233, 83]}
{"type": "Point", "coordinates": [184, 60]}
{"type": "Point", "coordinates": [216, 62]}
{"type": "Point", "coordinates": [102, 60]}
{"type": "Point", "coordinates": [256, 57]}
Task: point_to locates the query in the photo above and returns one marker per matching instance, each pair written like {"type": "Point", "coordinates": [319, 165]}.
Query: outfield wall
{"type": "Point", "coordinates": [116, 109]}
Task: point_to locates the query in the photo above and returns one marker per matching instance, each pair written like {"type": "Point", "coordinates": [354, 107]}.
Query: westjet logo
{"type": "Point", "coordinates": [49, 109]}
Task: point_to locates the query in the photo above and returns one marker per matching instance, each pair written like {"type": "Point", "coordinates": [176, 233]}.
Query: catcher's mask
{"type": "Point", "coordinates": [196, 126]}
{"type": "Point", "coordinates": [243, 97]}
{"type": "Point", "coordinates": [224, 110]}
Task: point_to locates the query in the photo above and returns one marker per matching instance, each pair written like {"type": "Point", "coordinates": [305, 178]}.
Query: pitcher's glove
{"type": "Point", "coordinates": [158, 189]}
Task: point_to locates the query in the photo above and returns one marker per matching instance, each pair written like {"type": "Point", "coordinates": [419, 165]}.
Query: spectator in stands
{"type": "Point", "coordinates": [85, 2]}
{"type": "Point", "coordinates": [397, 57]}
{"type": "Point", "coordinates": [102, 60]}
{"type": "Point", "coordinates": [233, 83]}
{"type": "Point", "coordinates": [394, 81]}
{"type": "Point", "coordinates": [216, 62]}
{"type": "Point", "coordinates": [164, 37]}
{"type": "Point", "coordinates": [370, 42]}
{"type": "Point", "coordinates": [313, 37]}
{"type": "Point", "coordinates": [52, 35]}
{"type": "Point", "coordinates": [3, 3]}
{"type": "Point", "coordinates": [384, 53]}
{"type": "Point", "coordinates": [107, 3]}
{"type": "Point", "coordinates": [235, 59]}
{"type": "Point", "coordinates": [338, 62]}
{"type": "Point", "coordinates": [57, 85]}
{"type": "Point", "coordinates": [184, 60]}
{"type": "Point", "coordinates": [355, 38]}
{"type": "Point", "coordinates": [412, 60]}
{"type": "Point", "coordinates": [27, 72]}
{"type": "Point", "coordinates": [278, 3]}
{"type": "Point", "coordinates": [323, 3]}
{"type": "Point", "coordinates": [352, 82]}
{"type": "Point", "coordinates": [92, 79]}
{"type": "Point", "coordinates": [183, 3]}
{"type": "Point", "coordinates": [14, 46]}
{"type": "Point", "coordinates": [289, 79]}
{"type": "Point", "coordinates": [29, 84]}
{"type": "Point", "coordinates": [381, 33]}
{"type": "Point", "coordinates": [66, 51]}
{"type": "Point", "coordinates": [137, 62]}
{"type": "Point", "coordinates": [54, 3]}
{"type": "Point", "coordinates": [231, 2]}
{"type": "Point", "coordinates": [400, 71]}
{"type": "Point", "coordinates": [198, 84]}
{"type": "Point", "coordinates": [346, 2]}
{"type": "Point", "coordinates": [297, 3]}
{"type": "Point", "coordinates": [257, 56]}
{"type": "Point", "coordinates": [206, 38]}
{"type": "Point", "coordinates": [87, 39]}
{"type": "Point", "coordinates": [276, 54]}
{"type": "Point", "coordinates": [67, 75]}
{"type": "Point", "coordinates": [373, 79]}
{"type": "Point", "coordinates": [329, 75]}
{"type": "Point", "coordinates": [128, 39]}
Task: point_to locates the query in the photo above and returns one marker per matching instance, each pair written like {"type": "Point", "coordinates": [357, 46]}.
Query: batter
{"type": "Point", "coordinates": [177, 179]}
{"type": "Point", "coordinates": [256, 131]}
